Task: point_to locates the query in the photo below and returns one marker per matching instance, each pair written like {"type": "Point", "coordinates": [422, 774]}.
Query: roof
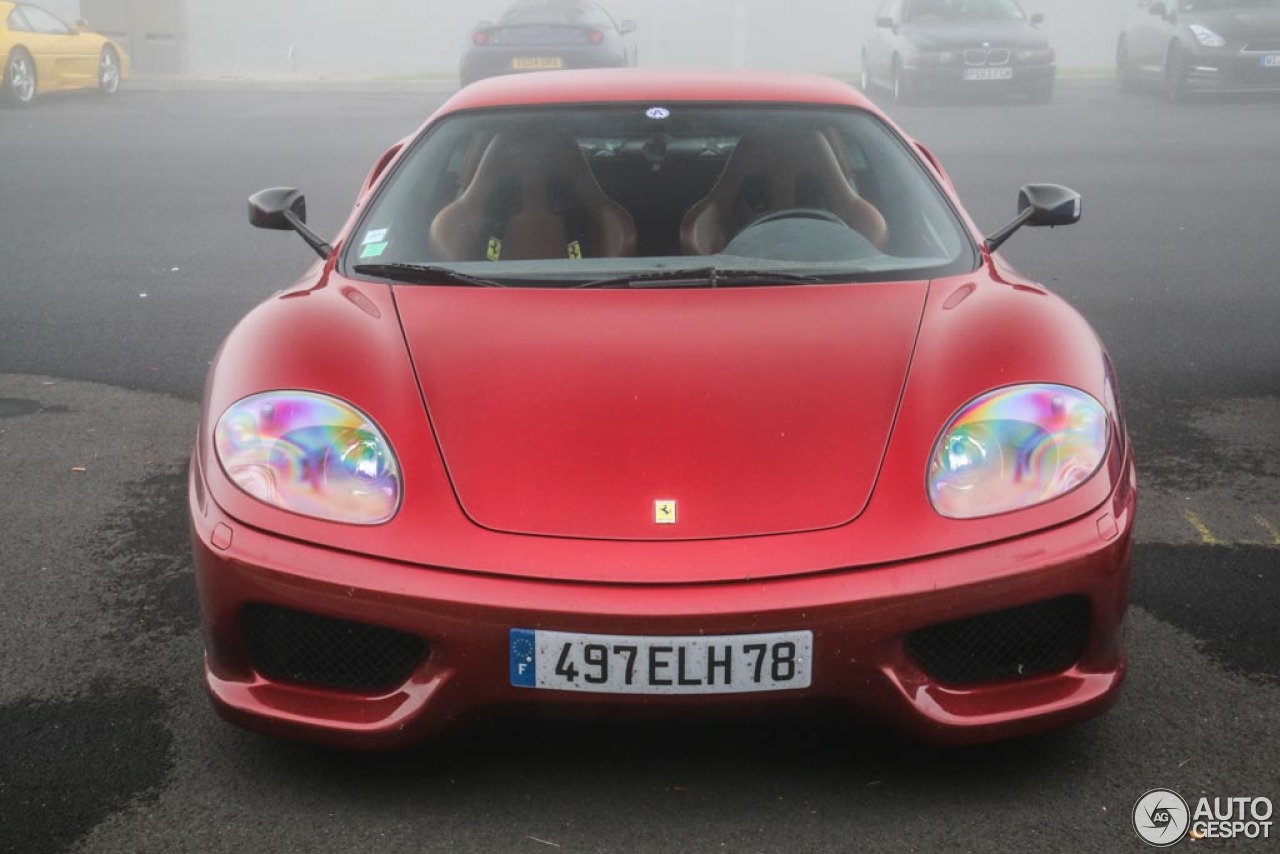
{"type": "Point", "coordinates": [624, 85]}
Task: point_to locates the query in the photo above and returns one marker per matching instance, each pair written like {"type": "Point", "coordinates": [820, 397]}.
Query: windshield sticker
{"type": "Point", "coordinates": [373, 250]}
{"type": "Point", "coordinates": [377, 235]}
{"type": "Point", "coordinates": [658, 113]}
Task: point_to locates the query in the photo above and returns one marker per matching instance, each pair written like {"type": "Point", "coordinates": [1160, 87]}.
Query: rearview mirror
{"type": "Point", "coordinates": [285, 209]}
{"type": "Point", "coordinates": [1040, 205]}
{"type": "Point", "coordinates": [1037, 19]}
{"type": "Point", "coordinates": [884, 21]}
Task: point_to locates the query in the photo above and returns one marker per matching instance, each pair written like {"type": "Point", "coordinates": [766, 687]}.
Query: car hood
{"type": "Point", "coordinates": [576, 413]}
{"type": "Point", "coordinates": [1238, 25]}
{"type": "Point", "coordinates": [949, 35]}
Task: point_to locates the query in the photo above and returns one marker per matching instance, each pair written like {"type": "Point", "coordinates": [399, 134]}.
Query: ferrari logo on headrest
{"type": "Point", "coordinates": [494, 250]}
{"type": "Point", "coordinates": [664, 511]}
{"type": "Point", "coordinates": [575, 250]}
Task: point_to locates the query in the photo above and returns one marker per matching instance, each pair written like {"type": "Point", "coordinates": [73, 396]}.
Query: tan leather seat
{"type": "Point", "coordinates": [771, 171]}
{"type": "Point", "coordinates": [533, 197]}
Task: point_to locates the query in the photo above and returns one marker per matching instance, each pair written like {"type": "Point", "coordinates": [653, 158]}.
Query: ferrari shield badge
{"type": "Point", "coordinates": [664, 511]}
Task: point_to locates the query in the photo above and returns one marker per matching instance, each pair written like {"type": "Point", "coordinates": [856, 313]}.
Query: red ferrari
{"type": "Point", "coordinates": [625, 388]}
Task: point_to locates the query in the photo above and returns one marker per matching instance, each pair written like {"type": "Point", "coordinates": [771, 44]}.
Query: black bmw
{"type": "Point", "coordinates": [546, 35]}
{"type": "Point", "coordinates": [923, 46]}
{"type": "Point", "coordinates": [1189, 46]}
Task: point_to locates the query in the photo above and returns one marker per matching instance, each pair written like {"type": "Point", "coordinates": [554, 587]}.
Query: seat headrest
{"type": "Point", "coordinates": [536, 159]}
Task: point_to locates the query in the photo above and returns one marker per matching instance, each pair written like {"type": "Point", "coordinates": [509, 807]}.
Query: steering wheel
{"type": "Point", "coordinates": [795, 213]}
{"type": "Point", "coordinates": [781, 235]}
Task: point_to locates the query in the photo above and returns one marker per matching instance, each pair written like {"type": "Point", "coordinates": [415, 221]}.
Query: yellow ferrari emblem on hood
{"type": "Point", "coordinates": [664, 511]}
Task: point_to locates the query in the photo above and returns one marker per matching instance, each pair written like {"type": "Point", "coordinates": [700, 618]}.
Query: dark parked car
{"type": "Point", "coordinates": [547, 35]}
{"type": "Point", "coordinates": [1202, 45]}
{"type": "Point", "coordinates": [931, 46]}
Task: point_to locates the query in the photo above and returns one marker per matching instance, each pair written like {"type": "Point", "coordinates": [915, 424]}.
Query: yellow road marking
{"type": "Point", "coordinates": [1206, 536]}
{"type": "Point", "coordinates": [1269, 528]}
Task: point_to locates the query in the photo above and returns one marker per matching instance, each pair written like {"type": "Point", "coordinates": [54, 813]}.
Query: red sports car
{"type": "Point", "coordinates": [627, 388]}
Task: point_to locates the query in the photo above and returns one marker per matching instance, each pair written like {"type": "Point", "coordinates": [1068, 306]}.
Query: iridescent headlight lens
{"type": "Point", "coordinates": [1015, 448]}
{"type": "Point", "coordinates": [309, 454]}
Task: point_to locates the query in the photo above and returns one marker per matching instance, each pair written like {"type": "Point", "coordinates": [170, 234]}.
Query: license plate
{"type": "Point", "coordinates": [1271, 60]}
{"type": "Point", "coordinates": [988, 74]}
{"type": "Point", "coordinates": [647, 664]}
{"type": "Point", "coordinates": [537, 63]}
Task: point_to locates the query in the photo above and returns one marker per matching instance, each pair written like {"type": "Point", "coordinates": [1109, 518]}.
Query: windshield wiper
{"type": "Point", "coordinates": [424, 274]}
{"type": "Point", "coordinates": [701, 277]}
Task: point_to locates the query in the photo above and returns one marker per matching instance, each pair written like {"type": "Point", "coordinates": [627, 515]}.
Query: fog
{"type": "Point", "coordinates": [404, 38]}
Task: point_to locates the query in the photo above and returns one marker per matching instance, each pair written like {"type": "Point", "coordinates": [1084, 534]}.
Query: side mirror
{"type": "Point", "coordinates": [81, 25]}
{"type": "Point", "coordinates": [1040, 205]}
{"type": "Point", "coordinates": [1049, 204]}
{"type": "Point", "coordinates": [627, 27]}
{"type": "Point", "coordinates": [482, 25]}
{"type": "Point", "coordinates": [1037, 19]}
{"type": "Point", "coordinates": [1158, 8]}
{"type": "Point", "coordinates": [285, 209]}
{"type": "Point", "coordinates": [885, 21]}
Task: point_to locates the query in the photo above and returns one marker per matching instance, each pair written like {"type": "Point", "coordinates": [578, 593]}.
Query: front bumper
{"type": "Point", "coordinates": [1225, 70]}
{"type": "Point", "coordinates": [860, 619]}
{"type": "Point", "coordinates": [1024, 79]}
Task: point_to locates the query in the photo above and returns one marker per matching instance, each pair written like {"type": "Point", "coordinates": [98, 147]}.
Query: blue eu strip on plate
{"type": "Point", "coordinates": [524, 665]}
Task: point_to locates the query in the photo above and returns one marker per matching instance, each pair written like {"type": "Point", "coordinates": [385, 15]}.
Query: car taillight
{"type": "Point", "coordinates": [480, 37]}
{"type": "Point", "coordinates": [595, 36]}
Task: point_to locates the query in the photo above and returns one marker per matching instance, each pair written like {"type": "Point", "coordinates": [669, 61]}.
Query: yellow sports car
{"type": "Point", "coordinates": [42, 54]}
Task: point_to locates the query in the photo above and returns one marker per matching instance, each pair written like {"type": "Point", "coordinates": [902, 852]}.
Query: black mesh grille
{"type": "Point", "coordinates": [293, 646]}
{"type": "Point", "coordinates": [1027, 641]}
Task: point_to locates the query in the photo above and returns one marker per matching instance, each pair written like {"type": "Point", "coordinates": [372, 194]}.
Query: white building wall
{"type": "Point", "coordinates": [405, 37]}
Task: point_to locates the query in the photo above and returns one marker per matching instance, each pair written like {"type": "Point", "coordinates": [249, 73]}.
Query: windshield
{"type": "Point", "coordinates": [1210, 5]}
{"type": "Point", "coordinates": [923, 11]}
{"type": "Point", "coordinates": [927, 10]}
{"type": "Point", "coordinates": [566, 196]}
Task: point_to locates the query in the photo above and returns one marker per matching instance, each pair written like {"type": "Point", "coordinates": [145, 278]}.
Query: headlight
{"type": "Point", "coordinates": [1035, 54]}
{"type": "Point", "coordinates": [309, 454]}
{"type": "Point", "coordinates": [1206, 36]}
{"type": "Point", "coordinates": [1014, 448]}
{"type": "Point", "coordinates": [935, 58]}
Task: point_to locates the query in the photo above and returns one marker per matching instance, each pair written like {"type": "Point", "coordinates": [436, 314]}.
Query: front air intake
{"type": "Point", "coordinates": [1017, 643]}
{"type": "Point", "coordinates": [294, 646]}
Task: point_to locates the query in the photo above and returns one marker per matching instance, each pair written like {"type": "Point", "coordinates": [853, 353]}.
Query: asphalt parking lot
{"type": "Point", "coordinates": [126, 258]}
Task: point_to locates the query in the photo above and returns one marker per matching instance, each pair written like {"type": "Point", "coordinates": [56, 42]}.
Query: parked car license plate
{"type": "Point", "coordinates": [1271, 60]}
{"type": "Point", "coordinates": [988, 74]}
{"type": "Point", "coordinates": [542, 63]}
{"type": "Point", "coordinates": [646, 664]}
